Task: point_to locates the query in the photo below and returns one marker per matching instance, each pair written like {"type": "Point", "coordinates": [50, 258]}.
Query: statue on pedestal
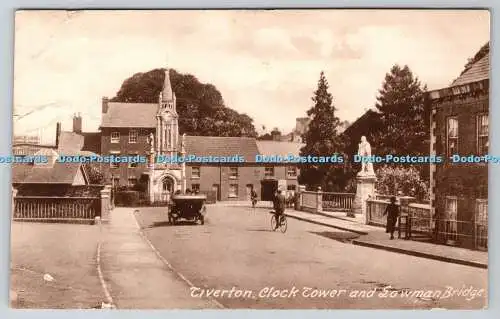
{"type": "Point", "coordinates": [151, 142]}
{"type": "Point", "coordinates": [365, 151]}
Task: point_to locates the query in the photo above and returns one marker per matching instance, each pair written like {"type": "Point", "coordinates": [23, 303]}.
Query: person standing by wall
{"type": "Point", "coordinates": [392, 212]}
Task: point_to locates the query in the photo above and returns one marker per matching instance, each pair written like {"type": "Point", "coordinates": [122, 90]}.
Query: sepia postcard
{"type": "Point", "coordinates": [250, 159]}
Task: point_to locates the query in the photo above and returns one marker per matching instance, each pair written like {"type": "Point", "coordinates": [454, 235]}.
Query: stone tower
{"type": "Point", "coordinates": [167, 120]}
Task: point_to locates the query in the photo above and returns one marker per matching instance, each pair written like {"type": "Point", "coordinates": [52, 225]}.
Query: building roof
{"type": "Point", "coordinates": [222, 146]}
{"type": "Point", "coordinates": [478, 71]}
{"type": "Point", "coordinates": [279, 148]}
{"type": "Point", "coordinates": [72, 143]}
{"type": "Point", "coordinates": [59, 173]}
{"type": "Point", "coordinates": [120, 114]}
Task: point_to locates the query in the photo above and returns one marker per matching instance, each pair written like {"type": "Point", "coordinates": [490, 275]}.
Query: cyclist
{"type": "Point", "coordinates": [253, 197]}
{"type": "Point", "coordinates": [279, 207]}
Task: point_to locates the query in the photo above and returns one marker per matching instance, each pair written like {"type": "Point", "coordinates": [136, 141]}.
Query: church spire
{"type": "Point", "coordinates": [167, 92]}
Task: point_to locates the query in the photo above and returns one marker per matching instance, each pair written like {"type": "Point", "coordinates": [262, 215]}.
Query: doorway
{"type": "Point", "coordinates": [268, 188]}
{"type": "Point", "coordinates": [216, 189]}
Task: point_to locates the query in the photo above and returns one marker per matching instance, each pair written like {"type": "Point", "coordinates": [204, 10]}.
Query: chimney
{"type": "Point", "coordinates": [58, 133]}
{"type": "Point", "coordinates": [77, 123]}
{"type": "Point", "coordinates": [105, 101]}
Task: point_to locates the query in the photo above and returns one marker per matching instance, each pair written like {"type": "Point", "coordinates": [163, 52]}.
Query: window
{"type": "Point", "coordinates": [233, 190]}
{"type": "Point", "coordinates": [291, 172]}
{"type": "Point", "coordinates": [195, 172]}
{"type": "Point", "coordinates": [451, 218]}
{"type": "Point", "coordinates": [115, 137]}
{"type": "Point", "coordinates": [452, 136]}
{"type": "Point", "coordinates": [481, 211]}
{"type": "Point", "coordinates": [269, 171]}
{"type": "Point", "coordinates": [132, 164]}
{"type": "Point", "coordinates": [233, 173]}
{"type": "Point", "coordinates": [195, 188]}
{"type": "Point", "coordinates": [132, 181]}
{"type": "Point", "coordinates": [482, 134]}
{"type": "Point", "coordinates": [114, 164]}
{"type": "Point", "coordinates": [481, 224]}
{"type": "Point", "coordinates": [291, 187]}
{"type": "Point", "coordinates": [133, 136]}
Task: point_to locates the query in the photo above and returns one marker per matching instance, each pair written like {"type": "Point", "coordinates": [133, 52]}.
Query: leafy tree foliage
{"type": "Point", "coordinates": [200, 106]}
{"type": "Point", "coordinates": [404, 117]}
{"type": "Point", "coordinates": [393, 179]}
{"type": "Point", "coordinates": [483, 51]}
{"type": "Point", "coordinates": [322, 139]}
{"type": "Point", "coordinates": [94, 173]}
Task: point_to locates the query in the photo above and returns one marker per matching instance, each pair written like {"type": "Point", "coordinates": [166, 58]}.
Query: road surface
{"type": "Point", "coordinates": [237, 259]}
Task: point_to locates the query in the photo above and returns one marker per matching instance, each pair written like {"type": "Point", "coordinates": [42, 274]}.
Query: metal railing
{"type": "Point", "coordinates": [337, 201]}
{"type": "Point", "coordinates": [467, 233]}
{"type": "Point", "coordinates": [51, 208]}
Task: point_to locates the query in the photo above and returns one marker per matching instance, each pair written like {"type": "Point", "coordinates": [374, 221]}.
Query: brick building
{"type": "Point", "coordinates": [151, 130]}
{"type": "Point", "coordinates": [459, 125]}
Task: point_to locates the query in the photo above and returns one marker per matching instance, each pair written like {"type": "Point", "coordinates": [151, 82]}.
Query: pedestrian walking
{"type": "Point", "coordinates": [392, 212]}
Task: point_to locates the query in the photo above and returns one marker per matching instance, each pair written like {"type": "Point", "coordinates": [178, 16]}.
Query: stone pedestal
{"type": "Point", "coordinates": [300, 192]}
{"type": "Point", "coordinates": [365, 187]}
{"type": "Point", "coordinates": [319, 200]}
{"type": "Point", "coordinates": [105, 207]}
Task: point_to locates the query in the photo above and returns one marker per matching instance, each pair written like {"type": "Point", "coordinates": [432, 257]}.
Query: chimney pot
{"type": "Point", "coordinates": [77, 124]}
{"type": "Point", "coordinates": [105, 102]}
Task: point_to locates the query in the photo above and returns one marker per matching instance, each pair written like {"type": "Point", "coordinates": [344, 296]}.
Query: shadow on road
{"type": "Point", "coordinates": [341, 236]}
{"type": "Point", "coordinates": [167, 224]}
{"type": "Point", "coordinates": [260, 230]}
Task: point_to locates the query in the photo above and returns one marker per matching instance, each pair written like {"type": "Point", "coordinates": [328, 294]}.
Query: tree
{"type": "Point", "coordinates": [94, 173]}
{"type": "Point", "coordinates": [403, 114]}
{"type": "Point", "coordinates": [322, 139]}
{"type": "Point", "coordinates": [394, 179]}
{"type": "Point", "coordinates": [200, 106]}
{"type": "Point", "coordinates": [483, 51]}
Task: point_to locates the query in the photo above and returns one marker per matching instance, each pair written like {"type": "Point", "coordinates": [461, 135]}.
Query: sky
{"type": "Point", "coordinates": [265, 63]}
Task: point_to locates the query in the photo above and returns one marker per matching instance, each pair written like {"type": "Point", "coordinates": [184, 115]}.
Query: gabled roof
{"type": "Point", "coordinates": [269, 148]}
{"type": "Point", "coordinates": [222, 146]}
{"type": "Point", "coordinates": [478, 71]}
{"type": "Point", "coordinates": [142, 115]}
{"type": "Point", "coordinates": [59, 173]}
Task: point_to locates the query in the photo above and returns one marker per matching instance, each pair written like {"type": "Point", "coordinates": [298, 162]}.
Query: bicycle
{"type": "Point", "coordinates": [282, 223]}
{"type": "Point", "coordinates": [254, 202]}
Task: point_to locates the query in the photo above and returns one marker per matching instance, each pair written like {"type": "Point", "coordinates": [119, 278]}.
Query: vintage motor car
{"type": "Point", "coordinates": [187, 207]}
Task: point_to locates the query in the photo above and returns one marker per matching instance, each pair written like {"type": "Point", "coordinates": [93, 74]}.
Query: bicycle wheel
{"type": "Point", "coordinates": [283, 224]}
{"type": "Point", "coordinates": [273, 222]}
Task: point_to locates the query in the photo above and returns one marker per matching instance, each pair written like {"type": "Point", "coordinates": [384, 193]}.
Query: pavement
{"type": "Point", "coordinates": [375, 237]}
{"type": "Point", "coordinates": [136, 275]}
